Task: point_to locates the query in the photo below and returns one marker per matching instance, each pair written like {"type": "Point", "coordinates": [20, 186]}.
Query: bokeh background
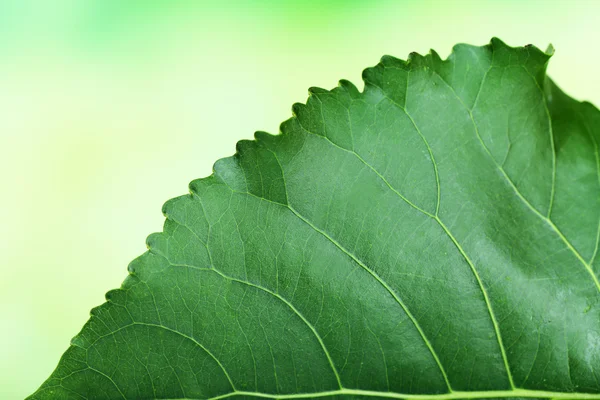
{"type": "Point", "coordinates": [110, 107]}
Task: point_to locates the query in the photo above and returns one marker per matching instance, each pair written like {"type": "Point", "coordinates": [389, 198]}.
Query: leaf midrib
{"type": "Point", "coordinates": [393, 395]}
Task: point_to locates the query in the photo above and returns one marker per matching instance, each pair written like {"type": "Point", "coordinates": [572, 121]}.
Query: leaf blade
{"type": "Point", "coordinates": [396, 242]}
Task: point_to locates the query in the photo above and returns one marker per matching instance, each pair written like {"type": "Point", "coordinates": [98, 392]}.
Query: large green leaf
{"type": "Point", "coordinates": [435, 234]}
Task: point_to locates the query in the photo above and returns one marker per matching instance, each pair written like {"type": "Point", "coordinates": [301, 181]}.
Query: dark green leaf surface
{"type": "Point", "coordinates": [434, 236]}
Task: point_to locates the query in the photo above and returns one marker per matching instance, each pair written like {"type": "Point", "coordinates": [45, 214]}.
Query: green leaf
{"type": "Point", "coordinates": [434, 236]}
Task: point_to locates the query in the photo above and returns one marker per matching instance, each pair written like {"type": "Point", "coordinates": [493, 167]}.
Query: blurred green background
{"type": "Point", "coordinates": [110, 107]}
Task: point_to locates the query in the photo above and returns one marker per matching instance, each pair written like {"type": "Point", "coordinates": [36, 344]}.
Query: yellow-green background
{"type": "Point", "coordinates": [110, 107]}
